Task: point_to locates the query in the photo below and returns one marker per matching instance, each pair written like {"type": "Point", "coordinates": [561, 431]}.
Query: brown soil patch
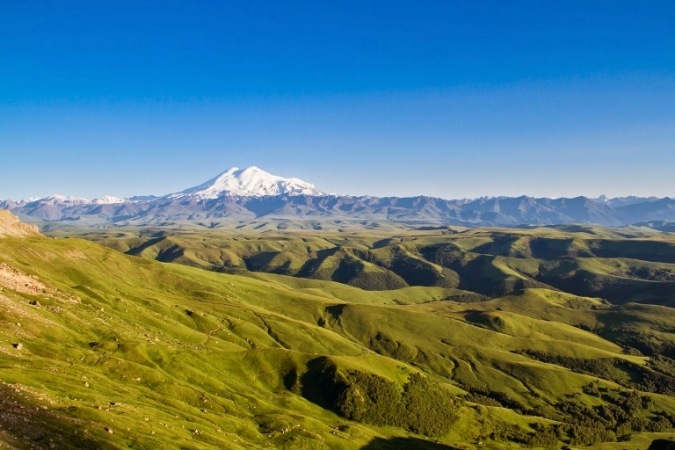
{"type": "Point", "coordinates": [17, 281]}
{"type": "Point", "coordinates": [14, 279]}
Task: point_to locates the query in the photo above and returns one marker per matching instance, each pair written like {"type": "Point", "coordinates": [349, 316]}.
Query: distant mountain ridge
{"type": "Point", "coordinates": [251, 193]}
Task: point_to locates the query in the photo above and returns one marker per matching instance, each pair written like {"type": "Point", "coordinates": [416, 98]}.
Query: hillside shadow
{"type": "Point", "coordinates": [135, 251]}
{"type": "Point", "coordinates": [24, 424]}
{"type": "Point", "coordinates": [662, 444]}
{"type": "Point", "coordinates": [405, 443]}
{"type": "Point", "coordinates": [319, 385]}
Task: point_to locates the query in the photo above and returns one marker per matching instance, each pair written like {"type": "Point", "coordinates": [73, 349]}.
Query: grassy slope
{"type": "Point", "coordinates": [186, 349]}
{"type": "Point", "coordinates": [169, 355]}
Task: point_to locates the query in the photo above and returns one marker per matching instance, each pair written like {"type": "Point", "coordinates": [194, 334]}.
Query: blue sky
{"type": "Point", "coordinates": [444, 98]}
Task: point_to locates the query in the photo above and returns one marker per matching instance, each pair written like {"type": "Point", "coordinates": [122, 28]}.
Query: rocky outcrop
{"type": "Point", "coordinates": [10, 226]}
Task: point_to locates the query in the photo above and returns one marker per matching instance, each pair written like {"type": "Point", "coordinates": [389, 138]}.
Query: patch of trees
{"type": "Point", "coordinates": [645, 344]}
{"type": "Point", "coordinates": [618, 370]}
{"type": "Point", "coordinates": [584, 435]}
{"type": "Point", "coordinates": [446, 255]}
{"type": "Point", "coordinates": [648, 273]}
{"type": "Point", "coordinates": [377, 281]}
{"type": "Point", "coordinates": [622, 412]}
{"type": "Point", "coordinates": [660, 383]}
{"type": "Point", "coordinates": [481, 399]}
{"type": "Point", "coordinates": [421, 406]}
{"type": "Point", "coordinates": [599, 367]}
{"type": "Point", "coordinates": [544, 436]}
{"type": "Point", "coordinates": [428, 408]}
{"type": "Point", "coordinates": [494, 398]}
{"type": "Point", "coordinates": [662, 364]}
{"type": "Point", "coordinates": [504, 431]}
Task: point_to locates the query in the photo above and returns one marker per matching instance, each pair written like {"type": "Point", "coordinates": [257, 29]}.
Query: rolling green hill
{"type": "Point", "coordinates": [623, 265]}
{"type": "Point", "coordinates": [99, 349]}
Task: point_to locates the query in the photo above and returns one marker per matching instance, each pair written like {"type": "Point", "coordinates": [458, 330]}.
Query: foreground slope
{"type": "Point", "coordinates": [157, 355]}
{"type": "Point", "coordinates": [104, 350]}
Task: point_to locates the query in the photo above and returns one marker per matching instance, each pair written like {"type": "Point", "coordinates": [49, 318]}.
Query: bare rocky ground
{"type": "Point", "coordinates": [11, 278]}
{"type": "Point", "coordinates": [11, 227]}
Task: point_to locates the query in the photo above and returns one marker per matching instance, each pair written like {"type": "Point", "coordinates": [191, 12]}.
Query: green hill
{"type": "Point", "coordinates": [624, 265]}
{"type": "Point", "coordinates": [99, 349]}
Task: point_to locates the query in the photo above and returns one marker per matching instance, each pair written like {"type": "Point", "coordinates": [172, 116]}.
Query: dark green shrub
{"type": "Point", "coordinates": [584, 435]}
{"type": "Point", "coordinates": [429, 409]}
{"type": "Point", "coordinates": [421, 406]}
{"type": "Point", "coordinates": [547, 438]}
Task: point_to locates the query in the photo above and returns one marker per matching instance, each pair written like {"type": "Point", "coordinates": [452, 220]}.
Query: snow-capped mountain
{"type": "Point", "coordinates": [108, 200]}
{"type": "Point", "coordinates": [249, 182]}
{"type": "Point", "coordinates": [250, 194]}
{"type": "Point", "coordinates": [63, 200]}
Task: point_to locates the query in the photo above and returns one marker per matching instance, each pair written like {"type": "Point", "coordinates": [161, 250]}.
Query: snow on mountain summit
{"type": "Point", "coordinates": [63, 199]}
{"type": "Point", "coordinates": [108, 200]}
{"type": "Point", "coordinates": [249, 182]}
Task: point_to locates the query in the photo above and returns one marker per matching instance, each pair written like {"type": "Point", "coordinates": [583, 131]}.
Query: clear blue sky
{"type": "Point", "coordinates": [444, 98]}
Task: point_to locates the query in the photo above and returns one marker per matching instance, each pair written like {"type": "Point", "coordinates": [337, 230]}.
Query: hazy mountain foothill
{"type": "Point", "coordinates": [255, 311]}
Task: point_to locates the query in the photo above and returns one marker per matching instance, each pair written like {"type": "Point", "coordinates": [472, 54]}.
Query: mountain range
{"type": "Point", "coordinates": [240, 195]}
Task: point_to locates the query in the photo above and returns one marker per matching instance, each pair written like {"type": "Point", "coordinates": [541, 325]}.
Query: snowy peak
{"type": "Point", "coordinates": [249, 182]}
{"type": "Point", "coordinates": [108, 200]}
{"type": "Point", "coordinates": [62, 199]}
